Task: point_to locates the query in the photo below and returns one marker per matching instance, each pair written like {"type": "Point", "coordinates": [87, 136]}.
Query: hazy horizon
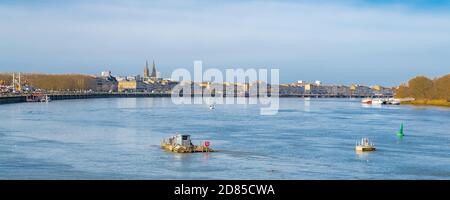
{"type": "Point", "coordinates": [353, 41]}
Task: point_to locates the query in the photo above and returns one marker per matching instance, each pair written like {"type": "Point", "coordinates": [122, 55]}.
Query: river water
{"type": "Point", "coordinates": [308, 139]}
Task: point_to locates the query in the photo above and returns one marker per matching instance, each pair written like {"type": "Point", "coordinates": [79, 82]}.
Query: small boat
{"type": "Point", "coordinates": [46, 99]}
{"type": "Point", "coordinates": [37, 97]}
{"type": "Point", "coordinates": [212, 107]}
{"type": "Point", "coordinates": [364, 145]}
{"type": "Point", "coordinates": [400, 132]}
{"type": "Point", "coordinates": [33, 98]}
{"type": "Point", "coordinates": [367, 101]}
{"type": "Point", "coordinates": [394, 101]}
{"type": "Point", "coordinates": [378, 101]}
{"type": "Point", "coordinates": [183, 144]}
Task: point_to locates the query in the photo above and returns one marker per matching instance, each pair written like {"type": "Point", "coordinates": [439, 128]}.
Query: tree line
{"type": "Point", "coordinates": [423, 88]}
{"type": "Point", "coordinates": [54, 82]}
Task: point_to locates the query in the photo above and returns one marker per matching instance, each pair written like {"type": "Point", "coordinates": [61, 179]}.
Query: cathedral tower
{"type": "Point", "coordinates": [146, 70]}
{"type": "Point", "coordinates": [154, 75]}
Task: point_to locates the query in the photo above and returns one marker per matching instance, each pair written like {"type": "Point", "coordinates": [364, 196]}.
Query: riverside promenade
{"type": "Point", "coordinates": [21, 98]}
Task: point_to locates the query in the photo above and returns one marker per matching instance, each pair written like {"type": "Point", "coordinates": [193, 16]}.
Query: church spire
{"type": "Point", "coordinates": [154, 75]}
{"type": "Point", "coordinates": [146, 70]}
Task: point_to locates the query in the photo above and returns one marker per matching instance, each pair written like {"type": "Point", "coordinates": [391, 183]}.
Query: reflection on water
{"type": "Point", "coordinates": [307, 139]}
{"type": "Point", "coordinates": [373, 105]}
{"type": "Point", "coordinates": [128, 103]}
{"type": "Point", "coordinates": [366, 105]}
{"type": "Point", "coordinates": [307, 104]}
{"type": "Point", "coordinates": [364, 156]}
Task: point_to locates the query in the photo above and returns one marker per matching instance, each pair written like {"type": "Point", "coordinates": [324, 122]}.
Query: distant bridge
{"type": "Point", "coordinates": [63, 96]}
{"type": "Point", "coordinates": [4, 99]}
{"type": "Point", "coordinates": [335, 96]}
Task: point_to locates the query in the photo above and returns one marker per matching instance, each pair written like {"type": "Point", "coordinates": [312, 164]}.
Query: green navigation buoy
{"type": "Point", "coordinates": [400, 132]}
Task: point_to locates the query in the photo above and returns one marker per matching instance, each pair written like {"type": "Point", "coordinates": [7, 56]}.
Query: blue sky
{"type": "Point", "coordinates": [350, 41]}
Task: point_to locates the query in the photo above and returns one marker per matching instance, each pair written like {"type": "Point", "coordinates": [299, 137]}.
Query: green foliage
{"type": "Point", "coordinates": [442, 87]}
{"type": "Point", "coordinates": [423, 88]}
{"type": "Point", "coordinates": [402, 91]}
{"type": "Point", "coordinates": [55, 82]}
{"type": "Point", "coordinates": [5, 79]}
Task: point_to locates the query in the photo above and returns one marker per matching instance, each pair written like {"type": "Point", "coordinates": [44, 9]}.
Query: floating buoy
{"type": "Point", "coordinates": [400, 132]}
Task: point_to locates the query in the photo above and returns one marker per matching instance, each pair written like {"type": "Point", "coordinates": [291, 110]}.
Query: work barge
{"type": "Point", "coordinates": [183, 144]}
{"type": "Point", "coordinates": [364, 146]}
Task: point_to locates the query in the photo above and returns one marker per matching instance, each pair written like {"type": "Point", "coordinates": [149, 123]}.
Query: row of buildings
{"type": "Point", "coordinates": [298, 89]}
{"type": "Point", "coordinates": [151, 82]}
{"type": "Point", "coordinates": [317, 88]}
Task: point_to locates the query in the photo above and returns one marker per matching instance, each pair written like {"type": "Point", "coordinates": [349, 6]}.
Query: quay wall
{"type": "Point", "coordinates": [104, 95]}
{"type": "Point", "coordinates": [21, 99]}
{"type": "Point", "coordinates": [12, 99]}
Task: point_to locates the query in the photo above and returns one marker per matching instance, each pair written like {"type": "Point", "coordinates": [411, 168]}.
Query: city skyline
{"type": "Point", "coordinates": [366, 42]}
{"type": "Point", "coordinates": [156, 74]}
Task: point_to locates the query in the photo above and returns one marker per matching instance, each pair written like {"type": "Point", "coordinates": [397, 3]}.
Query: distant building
{"type": "Point", "coordinates": [146, 71]}
{"type": "Point", "coordinates": [106, 74]}
{"type": "Point", "coordinates": [377, 87]}
{"type": "Point", "coordinates": [382, 91]}
{"type": "Point", "coordinates": [338, 90]}
{"type": "Point", "coordinates": [315, 89]}
{"type": "Point", "coordinates": [131, 84]}
{"type": "Point", "coordinates": [360, 90]}
{"type": "Point", "coordinates": [154, 75]}
{"type": "Point", "coordinates": [130, 78]}
{"type": "Point", "coordinates": [292, 89]}
{"type": "Point", "coordinates": [106, 82]}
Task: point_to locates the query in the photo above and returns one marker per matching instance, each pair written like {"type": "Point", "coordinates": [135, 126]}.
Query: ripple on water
{"type": "Point", "coordinates": [119, 139]}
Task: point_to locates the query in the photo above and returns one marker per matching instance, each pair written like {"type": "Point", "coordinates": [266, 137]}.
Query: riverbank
{"type": "Point", "coordinates": [428, 102]}
{"type": "Point", "coordinates": [12, 99]}
{"type": "Point", "coordinates": [62, 96]}
{"type": "Point", "coordinates": [68, 95]}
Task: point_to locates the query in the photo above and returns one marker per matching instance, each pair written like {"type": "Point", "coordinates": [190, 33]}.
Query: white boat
{"type": "Point", "coordinates": [394, 101]}
{"type": "Point", "coordinates": [212, 107]}
{"type": "Point", "coordinates": [367, 101]}
{"type": "Point", "coordinates": [378, 101]}
{"type": "Point", "coordinates": [46, 99]}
